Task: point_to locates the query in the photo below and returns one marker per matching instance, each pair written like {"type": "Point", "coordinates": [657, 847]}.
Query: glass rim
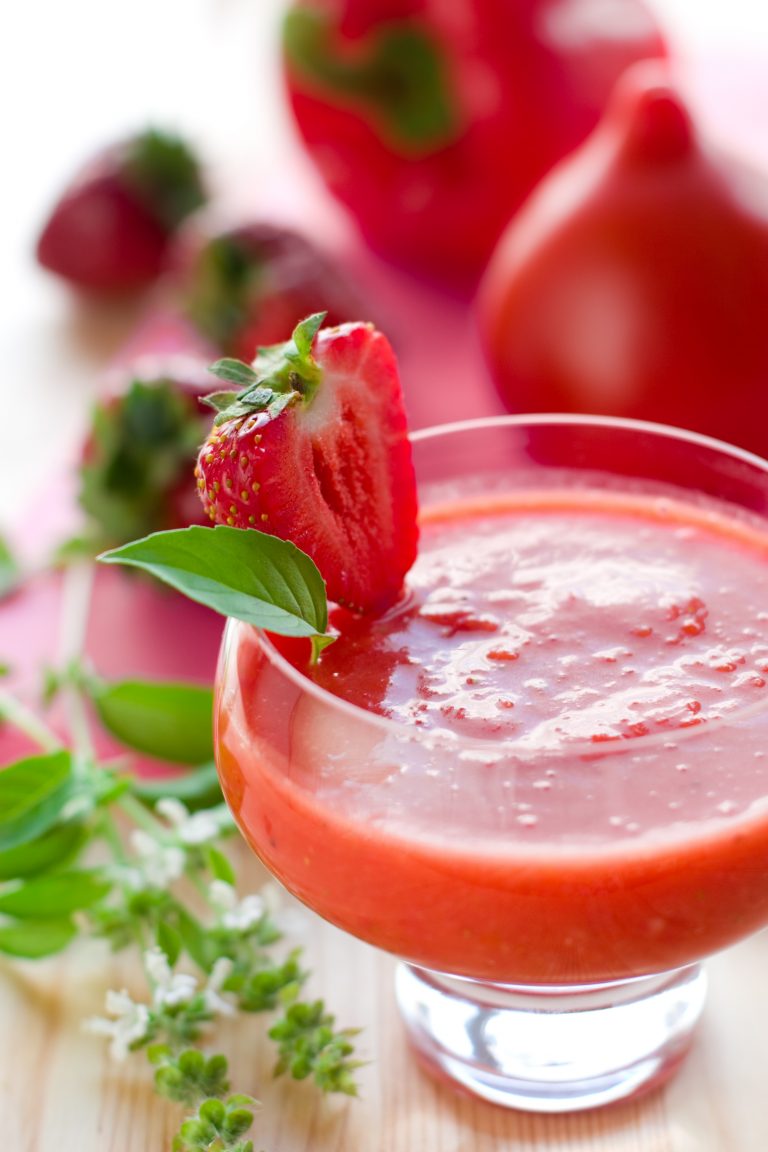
{"type": "Point", "coordinates": [497, 747]}
{"type": "Point", "coordinates": [622, 423]}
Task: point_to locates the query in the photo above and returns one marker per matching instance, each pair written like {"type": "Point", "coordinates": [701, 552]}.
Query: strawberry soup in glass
{"type": "Point", "coordinates": [541, 780]}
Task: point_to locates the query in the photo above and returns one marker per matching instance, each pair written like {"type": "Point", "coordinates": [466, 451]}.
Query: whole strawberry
{"type": "Point", "coordinates": [247, 286]}
{"type": "Point", "coordinates": [314, 449]}
{"type": "Point", "coordinates": [137, 468]}
{"type": "Point", "coordinates": [110, 229]}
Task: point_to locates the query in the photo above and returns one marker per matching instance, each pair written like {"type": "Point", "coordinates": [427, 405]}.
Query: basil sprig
{"type": "Point", "coordinates": [240, 573]}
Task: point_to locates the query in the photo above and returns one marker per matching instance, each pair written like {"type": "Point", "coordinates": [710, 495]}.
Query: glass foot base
{"type": "Point", "coordinates": [552, 1049]}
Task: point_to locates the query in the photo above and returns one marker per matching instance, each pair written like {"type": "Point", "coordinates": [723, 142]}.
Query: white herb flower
{"type": "Point", "coordinates": [160, 864]}
{"type": "Point", "coordinates": [169, 989]}
{"type": "Point", "coordinates": [130, 1023]}
{"type": "Point", "coordinates": [273, 896]}
{"type": "Point", "coordinates": [238, 915]}
{"type": "Point", "coordinates": [287, 915]}
{"type": "Point", "coordinates": [190, 827]}
{"type": "Point", "coordinates": [214, 1001]}
{"type": "Point", "coordinates": [127, 876]}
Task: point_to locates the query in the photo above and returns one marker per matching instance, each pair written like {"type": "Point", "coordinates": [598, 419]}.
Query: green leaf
{"type": "Point", "coordinates": [308, 1046]}
{"type": "Point", "coordinates": [220, 866]}
{"type": "Point", "coordinates": [50, 897]}
{"type": "Point", "coordinates": [199, 788]}
{"type": "Point", "coordinates": [142, 448]}
{"type": "Point", "coordinates": [10, 572]}
{"type": "Point", "coordinates": [75, 549]}
{"type": "Point", "coordinates": [280, 375]}
{"type": "Point", "coordinates": [36, 938]}
{"type": "Point", "coordinates": [168, 720]}
{"type": "Point", "coordinates": [234, 372]}
{"type": "Point", "coordinates": [196, 939]}
{"type": "Point", "coordinates": [398, 78]}
{"type": "Point", "coordinates": [169, 941]}
{"type": "Point", "coordinates": [319, 643]}
{"type": "Point", "coordinates": [254, 400]}
{"type": "Point", "coordinates": [224, 285]}
{"type": "Point", "coordinates": [290, 366]}
{"type": "Point", "coordinates": [304, 335]}
{"type": "Point", "coordinates": [219, 401]}
{"type": "Point", "coordinates": [237, 572]}
{"type": "Point", "coordinates": [264, 990]}
{"type": "Point", "coordinates": [213, 1111]}
{"type": "Point", "coordinates": [33, 793]}
{"type": "Point", "coordinates": [242, 1100]}
{"type": "Point", "coordinates": [166, 173]}
{"type": "Point", "coordinates": [49, 851]}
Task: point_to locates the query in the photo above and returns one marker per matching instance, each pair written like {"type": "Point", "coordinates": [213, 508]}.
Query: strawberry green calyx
{"type": "Point", "coordinates": [217, 301]}
{"type": "Point", "coordinates": [280, 375]}
{"type": "Point", "coordinates": [165, 174]}
{"type": "Point", "coordinates": [139, 453]}
{"type": "Point", "coordinates": [400, 77]}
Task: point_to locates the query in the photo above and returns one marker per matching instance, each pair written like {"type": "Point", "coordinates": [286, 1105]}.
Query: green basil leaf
{"type": "Point", "coordinates": [237, 572]}
{"type": "Point", "coordinates": [106, 788]}
{"type": "Point", "coordinates": [196, 940]}
{"type": "Point", "coordinates": [50, 897]}
{"type": "Point", "coordinates": [170, 721]}
{"type": "Point", "coordinates": [52, 850]}
{"type": "Point", "coordinates": [33, 793]}
{"type": "Point", "coordinates": [10, 573]}
{"type": "Point", "coordinates": [197, 789]}
{"type": "Point", "coordinates": [169, 941]}
{"type": "Point", "coordinates": [35, 938]}
{"type": "Point", "coordinates": [220, 866]}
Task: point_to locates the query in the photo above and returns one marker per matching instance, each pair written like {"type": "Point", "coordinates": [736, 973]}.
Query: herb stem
{"type": "Point", "coordinates": [110, 834]}
{"type": "Point", "coordinates": [24, 719]}
{"type": "Point", "coordinates": [76, 607]}
{"type": "Point", "coordinates": [140, 816]}
{"type": "Point", "coordinates": [75, 612]}
{"type": "Point", "coordinates": [200, 887]}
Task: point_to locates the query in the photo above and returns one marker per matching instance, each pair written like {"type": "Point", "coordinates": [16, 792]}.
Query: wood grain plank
{"type": "Point", "coordinates": [61, 1092]}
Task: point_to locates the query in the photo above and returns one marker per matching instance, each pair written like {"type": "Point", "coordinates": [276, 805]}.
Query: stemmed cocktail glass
{"type": "Point", "coordinates": [550, 870]}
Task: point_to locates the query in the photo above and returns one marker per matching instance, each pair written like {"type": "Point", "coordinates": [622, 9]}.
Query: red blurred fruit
{"type": "Point", "coordinates": [109, 230]}
{"type": "Point", "coordinates": [432, 122]}
{"type": "Point", "coordinates": [315, 449]}
{"type": "Point", "coordinates": [137, 468]}
{"type": "Point", "coordinates": [244, 287]}
{"type": "Point", "coordinates": [635, 281]}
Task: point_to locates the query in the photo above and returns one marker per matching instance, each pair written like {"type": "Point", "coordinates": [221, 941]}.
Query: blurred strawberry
{"type": "Point", "coordinates": [109, 230]}
{"type": "Point", "coordinates": [245, 287]}
{"type": "Point", "coordinates": [634, 282]}
{"type": "Point", "coordinates": [137, 468]}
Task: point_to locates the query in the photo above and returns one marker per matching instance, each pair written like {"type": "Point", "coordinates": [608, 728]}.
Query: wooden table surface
{"type": "Point", "coordinates": [208, 67]}
{"type": "Point", "coordinates": [60, 1091]}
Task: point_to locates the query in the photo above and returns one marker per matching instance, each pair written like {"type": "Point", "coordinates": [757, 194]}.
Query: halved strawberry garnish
{"type": "Point", "coordinates": [314, 449]}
